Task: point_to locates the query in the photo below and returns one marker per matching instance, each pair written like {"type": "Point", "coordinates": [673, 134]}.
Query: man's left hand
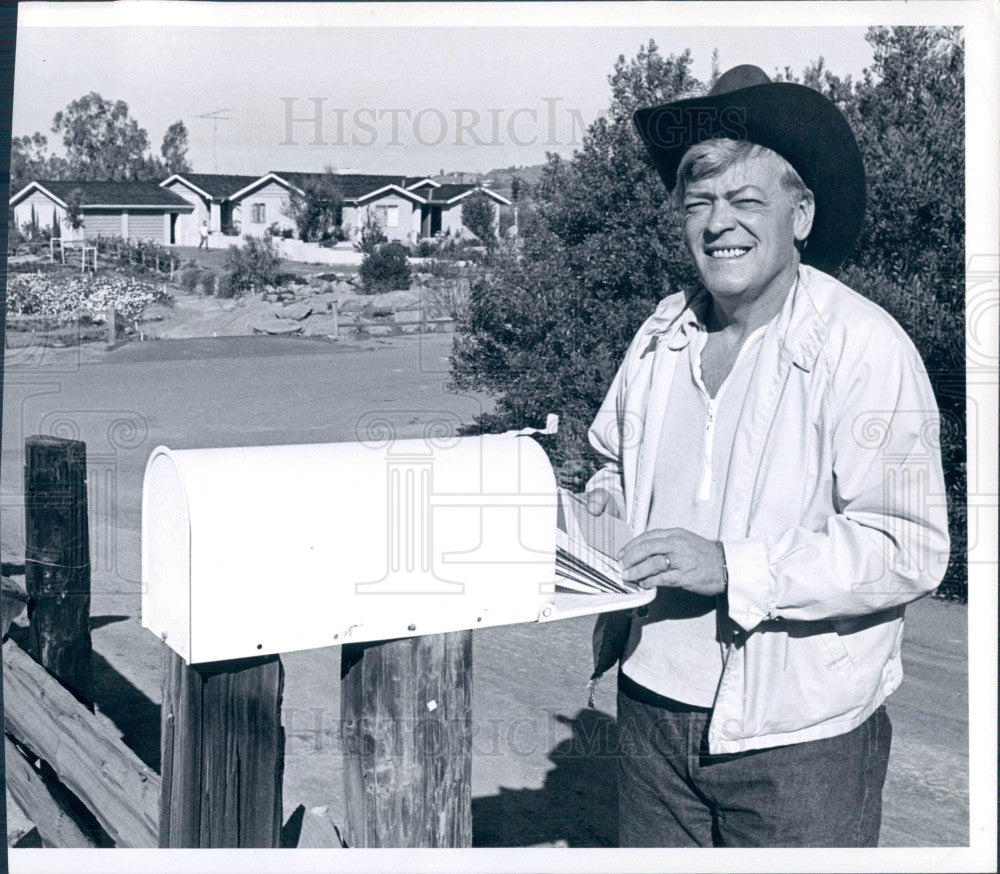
{"type": "Point", "coordinates": [674, 557]}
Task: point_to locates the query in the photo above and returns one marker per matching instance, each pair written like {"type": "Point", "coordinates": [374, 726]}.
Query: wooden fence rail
{"type": "Point", "coordinates": [51, 809]}
{"type": "Point", "coordinates": [43, 716]}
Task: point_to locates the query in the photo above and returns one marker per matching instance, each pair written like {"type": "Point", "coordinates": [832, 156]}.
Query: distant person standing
{"type": "Point", "coordinates": [203, 232]}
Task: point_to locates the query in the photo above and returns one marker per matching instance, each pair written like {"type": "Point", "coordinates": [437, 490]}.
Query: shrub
{"type": "Point", "coordinates": [370, 236]}
{"type": "Point", "coordinates": [37, 267]}
{"type": "Point", "coordinates": [290, 279]}
{"type": "Point", "coordinates": [206, 283]}
{"type": "Point", "coordinates": [253, 265]}
{"type": "Point", "coordinates": [423, 248]}
{"type": "Point", "coordinates": [505, 221]}
{"type": "Point", "coordinates": [15, 239]}
{"type": "Point", "coordinates": [385, 269]}
{"type": "Point", "coordinates": [450, 298]}
{"type": "Point", "coordinates": [224, 287]}
{"type": "Point", "coordinates": [189, 278]}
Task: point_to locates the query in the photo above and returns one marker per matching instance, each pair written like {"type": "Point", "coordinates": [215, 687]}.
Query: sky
{"type": "Point", "coordinates": [415, 100]}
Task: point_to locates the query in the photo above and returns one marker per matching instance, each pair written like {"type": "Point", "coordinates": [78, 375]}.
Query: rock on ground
{"type": "Point", "coordinates": [297, 311]}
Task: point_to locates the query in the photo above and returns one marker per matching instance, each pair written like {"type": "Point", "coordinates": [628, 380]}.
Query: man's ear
{"type": "Point", "coordinates": [805, 210]}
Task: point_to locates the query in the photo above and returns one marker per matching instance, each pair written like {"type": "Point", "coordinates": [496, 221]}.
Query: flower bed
{"type": "Point", "coordinates": [53, 295]}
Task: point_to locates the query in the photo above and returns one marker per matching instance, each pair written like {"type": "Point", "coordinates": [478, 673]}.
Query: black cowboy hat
{"type": "Point", "coordinates": [798, 123]}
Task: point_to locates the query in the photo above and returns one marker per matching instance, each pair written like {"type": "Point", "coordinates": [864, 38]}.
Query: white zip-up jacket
{"type": "Point", "coordinates": [834, 514]}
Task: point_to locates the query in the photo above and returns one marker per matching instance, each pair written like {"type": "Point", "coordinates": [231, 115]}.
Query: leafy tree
{"type": "Point", "coordinates": [478, 215]}
{"type": "Point", "coordinates": [74, 216]}
{"type": "Point", "coordinates": [174, 149]}
{"type": "Point", "coordinates": [28, 160]}
{"type": "Point", "coordinates": [102, 140]}
{"type": "Point", "coordinates": [317, 212]}
{"type": "Point", "coordinates": [909, 114]}
{"type": "Point", "coordinates": [550, 321]}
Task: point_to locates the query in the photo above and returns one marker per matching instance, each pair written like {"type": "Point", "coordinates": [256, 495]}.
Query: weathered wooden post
{"type": "Point", "coordinates": [406, 716]}
{"type": "Point", "coordinates": [222, 753]}
{"type": "Point", "coordinates": [112, 327]}
{"type": "Point", "coordinates": [57, 558]}
{"type": "Point", "coordinates": [336, 320]}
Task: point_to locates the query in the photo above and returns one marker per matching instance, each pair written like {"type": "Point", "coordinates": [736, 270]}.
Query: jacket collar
{"type": "Point", "coordinates": [801, 327]}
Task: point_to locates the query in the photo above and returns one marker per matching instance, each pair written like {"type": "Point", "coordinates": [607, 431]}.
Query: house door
{"type": "Point", "coordinates": [430, 221]}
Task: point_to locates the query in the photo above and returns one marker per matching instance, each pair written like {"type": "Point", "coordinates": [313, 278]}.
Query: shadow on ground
{"type": "Point", "coordinates": [134, 715]}
{"type": "Point", "coordinates": [576, 807]}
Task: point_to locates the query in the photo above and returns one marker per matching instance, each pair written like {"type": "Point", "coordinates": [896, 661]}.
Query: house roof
{"type": "Point", "coordinates": [353, 185]}
{"type": "Point", "coordinates": [217, 186]}
{"type": "Point", "coordinates": [356, 187]}
{"type": "Point", "coordinates": [450, 192]}
{"type": "Point", "coordinates": [96, 194]}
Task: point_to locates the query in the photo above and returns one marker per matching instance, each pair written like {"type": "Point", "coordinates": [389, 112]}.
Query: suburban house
{"type": "Point", "coordinates": [134, 210]}
{"type": "Point", "coordinates": [209, 193]}
{"type": "Point", "coordinates": [406, 207]}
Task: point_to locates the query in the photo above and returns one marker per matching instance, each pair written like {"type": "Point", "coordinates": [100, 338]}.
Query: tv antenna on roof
{"type": "Point", "coordinates": [216, 116]}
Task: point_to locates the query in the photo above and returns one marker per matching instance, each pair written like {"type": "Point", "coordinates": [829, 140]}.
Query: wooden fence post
{"type": "Point", "coordinates": [222, 753]}
{"type": "Point", "coordinates": [112, 327]}
{"type": "Point", "coordinates": [406, 717]}
{"type": "Point", "coordinates": [57, 558]}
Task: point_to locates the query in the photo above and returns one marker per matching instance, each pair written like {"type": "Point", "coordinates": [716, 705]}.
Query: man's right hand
{"type": "Point", "coordinates": [603, 501]}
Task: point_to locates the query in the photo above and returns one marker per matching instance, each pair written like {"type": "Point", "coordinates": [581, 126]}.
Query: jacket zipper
{"type": "Point", "coordinates": [705, 488]}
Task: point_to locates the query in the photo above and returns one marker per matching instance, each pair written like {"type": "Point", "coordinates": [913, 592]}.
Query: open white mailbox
{"type": "Point", "coordinates": [258, 550]}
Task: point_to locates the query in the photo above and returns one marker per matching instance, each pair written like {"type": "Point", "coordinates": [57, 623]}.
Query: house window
{"type": "Point", "coordinates": [387, 216]}
{"type": "Point", "coordinates": [258, 213]}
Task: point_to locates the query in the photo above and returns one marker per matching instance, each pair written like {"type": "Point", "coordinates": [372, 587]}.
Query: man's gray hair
{"type": "Point", "coordinates": [713, 157]}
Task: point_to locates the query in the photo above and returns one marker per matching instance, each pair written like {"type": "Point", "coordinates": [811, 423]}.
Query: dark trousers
{"type": "Point", "coordinates": [672, 793]}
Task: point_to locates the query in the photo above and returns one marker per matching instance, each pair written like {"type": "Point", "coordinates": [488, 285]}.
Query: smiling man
{"type": "Point", "coordinates": [770, 442]}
